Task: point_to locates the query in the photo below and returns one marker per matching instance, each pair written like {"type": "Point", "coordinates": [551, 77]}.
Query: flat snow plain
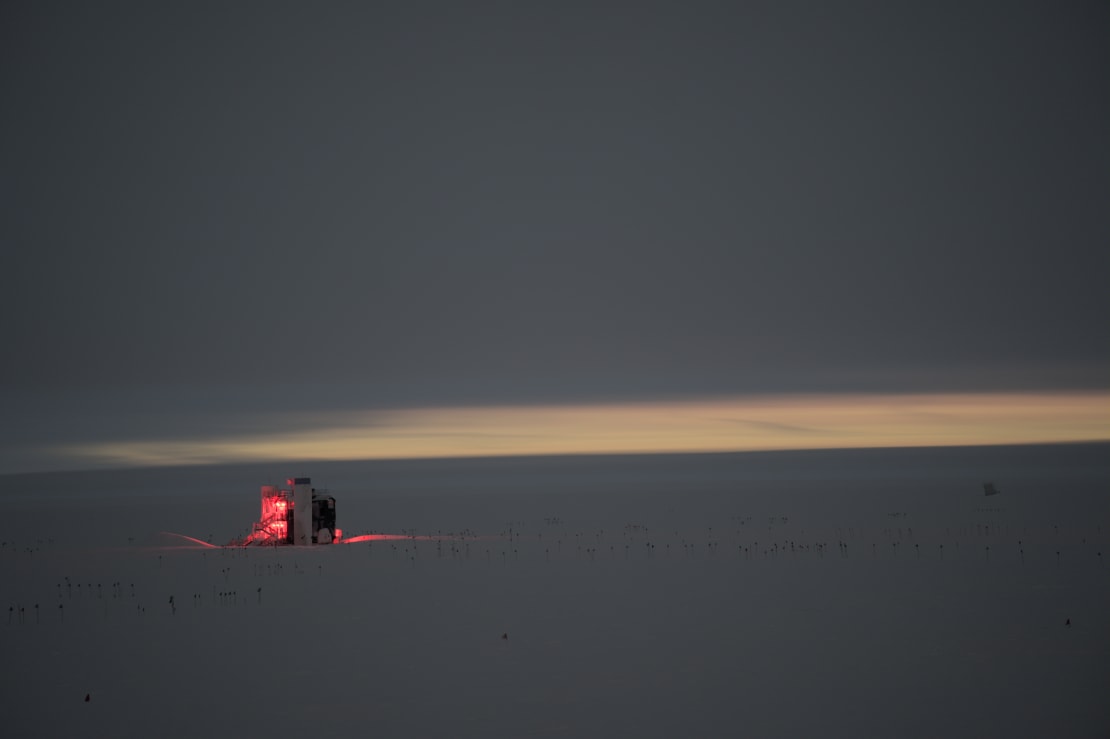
{"type": "Point", "coordinates": [845, 594]}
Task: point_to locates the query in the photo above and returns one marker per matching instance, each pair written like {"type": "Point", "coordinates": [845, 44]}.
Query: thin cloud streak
{"type": "Point", "coordinates": [722, 425]}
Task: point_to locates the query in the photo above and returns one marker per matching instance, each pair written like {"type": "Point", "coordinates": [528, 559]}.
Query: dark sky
{"type": "Point", "coordinates": [219, 205]}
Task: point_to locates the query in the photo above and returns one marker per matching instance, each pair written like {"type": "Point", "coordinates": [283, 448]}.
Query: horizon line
{"type": "Point", "coordinates": [736, 424]}
{"type": "Point", "coordinates": [562, 455]}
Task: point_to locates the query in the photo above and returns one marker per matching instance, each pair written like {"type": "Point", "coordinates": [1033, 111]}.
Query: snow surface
{"type": "Point", "coordinates": [782, 594]}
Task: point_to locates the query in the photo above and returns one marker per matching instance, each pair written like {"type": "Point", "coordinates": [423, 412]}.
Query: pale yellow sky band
{"type": "Point", "coordinates": [720, 425]}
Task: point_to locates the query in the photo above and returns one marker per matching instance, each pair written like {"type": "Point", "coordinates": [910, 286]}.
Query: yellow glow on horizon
{"type": "Point", "coordinates": [752, 423]}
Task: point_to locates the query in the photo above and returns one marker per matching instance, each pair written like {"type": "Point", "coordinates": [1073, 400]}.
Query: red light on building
{"type": "Point", "coordinates": [281, 524]}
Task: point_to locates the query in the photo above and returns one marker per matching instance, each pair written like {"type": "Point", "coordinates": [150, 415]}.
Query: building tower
{"type": "Point", "coordinates": [302, 511]}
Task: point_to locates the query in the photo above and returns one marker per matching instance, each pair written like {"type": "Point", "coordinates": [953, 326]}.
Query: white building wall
{"type": "Point", "coordinates": [302, 513]}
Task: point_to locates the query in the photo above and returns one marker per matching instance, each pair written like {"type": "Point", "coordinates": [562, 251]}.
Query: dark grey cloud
{"type": "Point", "coordinates": [448, 202]}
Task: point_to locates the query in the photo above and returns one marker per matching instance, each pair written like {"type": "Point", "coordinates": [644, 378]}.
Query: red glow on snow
{"type": "Point", "coordinates": [198, 542]}
{"type": "Point", "coordinates": [397, 537]}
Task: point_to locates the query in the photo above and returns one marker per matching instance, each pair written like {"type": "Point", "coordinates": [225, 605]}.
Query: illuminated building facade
{"type": "Point", "coordinates": [297, 516]}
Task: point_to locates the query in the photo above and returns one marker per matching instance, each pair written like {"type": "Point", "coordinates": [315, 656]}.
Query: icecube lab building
{"type": "Point", "coordinates": [299, 516]}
